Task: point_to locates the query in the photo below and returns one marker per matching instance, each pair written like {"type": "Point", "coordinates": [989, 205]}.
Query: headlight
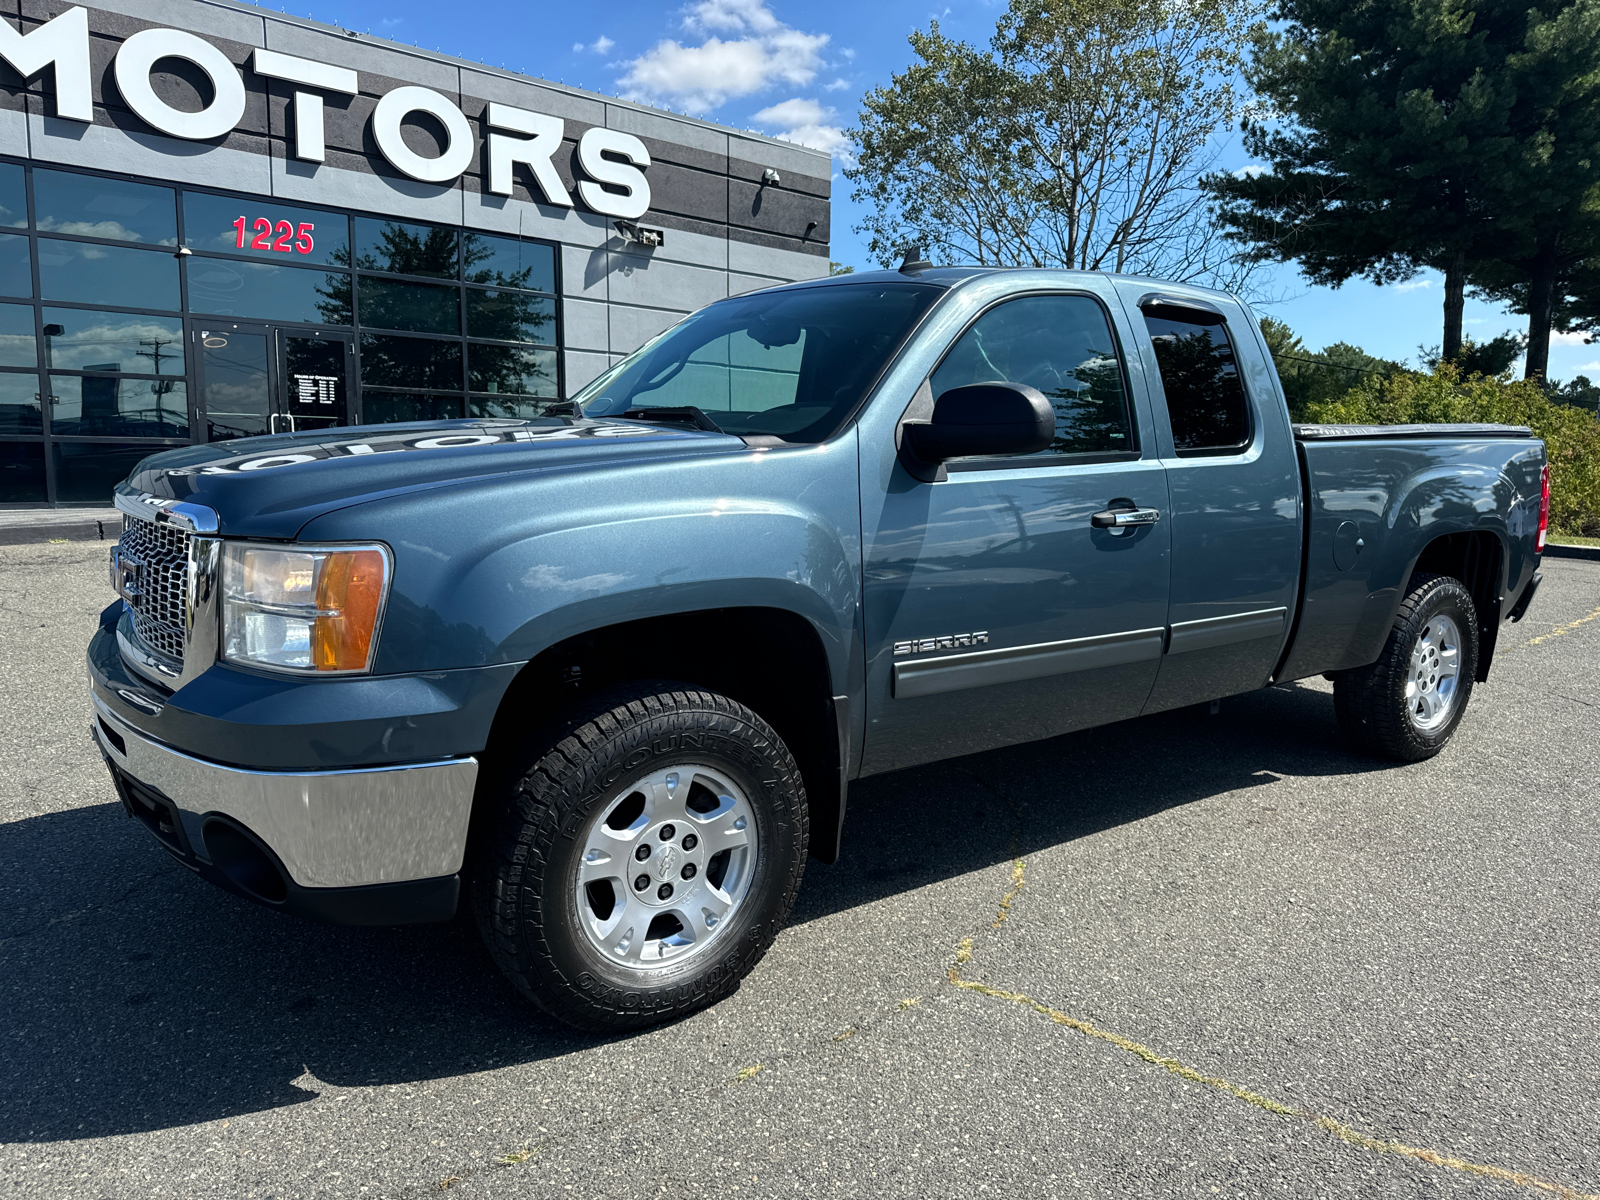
{"type": "Point", "coordinates": [302, 608]}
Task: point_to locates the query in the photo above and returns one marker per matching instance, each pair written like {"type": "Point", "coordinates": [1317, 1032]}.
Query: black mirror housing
{"type": "Point", "coordinates": [981, 419]}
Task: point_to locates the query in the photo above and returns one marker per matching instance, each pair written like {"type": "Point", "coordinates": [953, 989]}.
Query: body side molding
{"type": "Point", "coordinates": [1212, 632]}
{"type": "Point", "coordinates": [1011, 664]}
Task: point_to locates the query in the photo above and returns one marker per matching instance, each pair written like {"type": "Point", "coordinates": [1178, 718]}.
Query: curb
{"type": "Point", "coordinates": [78, 531]}
{"type": "Point", "coordinates": [1557, 550]}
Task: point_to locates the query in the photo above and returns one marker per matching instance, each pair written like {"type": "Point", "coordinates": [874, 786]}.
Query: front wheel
{"type": "Point", "coordinates": [645, 860]}
{"type": "Point", "coordinates": [1407, 705]}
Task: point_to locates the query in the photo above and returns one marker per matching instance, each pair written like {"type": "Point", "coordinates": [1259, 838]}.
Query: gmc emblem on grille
{"type": "Point", "coordinates": [125, 575]}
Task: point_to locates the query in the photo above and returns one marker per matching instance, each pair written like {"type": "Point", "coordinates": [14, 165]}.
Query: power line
{"type": "Point", "coordinates": [1318, 362]}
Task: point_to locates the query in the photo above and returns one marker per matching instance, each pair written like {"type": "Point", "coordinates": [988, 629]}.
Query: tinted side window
{"type": "Point", "coordinates": [1200, 376]}
{"type": "Point", "coordinates": [1061, 345]}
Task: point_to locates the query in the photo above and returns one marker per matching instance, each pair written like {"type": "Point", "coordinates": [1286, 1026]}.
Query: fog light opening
{"type": "Point", "coordinates": [244, 861]}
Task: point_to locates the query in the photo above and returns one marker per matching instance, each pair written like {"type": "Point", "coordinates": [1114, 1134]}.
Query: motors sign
{"type": "Point", "coordinates": [513, 135]}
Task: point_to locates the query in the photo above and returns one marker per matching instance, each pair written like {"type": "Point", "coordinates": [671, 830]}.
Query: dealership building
{"type": "Point", "coordinates": [218, 221]}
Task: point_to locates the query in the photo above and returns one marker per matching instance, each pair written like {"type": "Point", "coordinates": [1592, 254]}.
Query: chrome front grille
{"type": "Point", "coordinates": [158, 555]}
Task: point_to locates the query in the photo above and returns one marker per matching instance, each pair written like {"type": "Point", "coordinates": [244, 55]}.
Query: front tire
{"type": "Point", "coordinates": [645, 860]}
{"type": "Point", "coordinates": [1407, 705]}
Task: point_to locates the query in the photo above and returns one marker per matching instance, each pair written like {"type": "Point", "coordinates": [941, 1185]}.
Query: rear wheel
{"type": "Point", "coordinates": [645, 860]}
{"type": "Point", "coordinates": [1407, 705]}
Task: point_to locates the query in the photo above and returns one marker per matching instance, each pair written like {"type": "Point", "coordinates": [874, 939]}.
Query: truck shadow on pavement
{"type": "Point", "coordinates": [139, 998]}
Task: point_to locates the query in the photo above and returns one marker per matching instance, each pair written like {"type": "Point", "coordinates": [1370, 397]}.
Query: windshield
{"type": "Point", "coordinates": [788, 364]}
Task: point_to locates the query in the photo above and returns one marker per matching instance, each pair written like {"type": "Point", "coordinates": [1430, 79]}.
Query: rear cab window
{"type": "Point", "coordinates": [1205, 396]}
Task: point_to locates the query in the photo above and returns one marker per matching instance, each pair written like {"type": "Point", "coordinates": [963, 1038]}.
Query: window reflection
{"type": "Point", "coordinates": [382, 408]}
{"type": "Point", "coordinates": [89, 206]}
{"type": "Point", "coordinates": [1205, 399]}
{"type": "Point", "coordinates": [90, 471]}
{"type": "Point", "coordinates": [290, 234]}
{"type": "Point", "coordinates": [418, 307]}
{"type": "Point", "coordinates": [80, 339]}
{"type": "Point", "coordinates": [22, 473]}
{"type": "Point", "coordinates": [19, 404]}
{"type": "Point", "coordinates": [111, 406]}
{"type": "Point", "coordinates": [518, 370]}
{"type": "Point", "coordinates": [410, 362]}
{"type": "Point", "coordinates": [509, 316]}
{"type": "Point", "coordinates": [1061, 345]}
{"type": "Point", "coordinates": [405, 249]}
{"type": "Point", "coordinates": [81, 273]}
{"type": "Point", "coordinates": [516, 408]}
{"type": "Point", "coordinates": [268, 292]}
{"type": "Point", "coordinates": [18, 346]}
{"type": "Point", "coordinates": [508, 262]}
{"type": "Point", "coordinates": [238, 384]}
{"type": "Point", "coordinates": [13, 197]}
{"type": "Point", "coordinates": [16, 267]}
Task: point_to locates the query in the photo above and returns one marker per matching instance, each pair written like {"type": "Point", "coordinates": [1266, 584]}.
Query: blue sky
{"type": "Point", "coordinates": [799, 70]}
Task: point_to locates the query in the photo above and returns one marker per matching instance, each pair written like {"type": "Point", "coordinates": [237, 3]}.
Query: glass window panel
{"type": "Point", "coordinates": [1201, 380]}
{"type": "Point", "coordinates": [80, 339]}
{"type": "Point", "coordinates": [509, 262]}
{"type": "Point", "coordinates": [511, 316]}
{"type": "Point", "coordinates": [418, 307]}
{"type": "Point", "coordinates": [383, 408]}
{"type": "Point", "coordinates": [266, 291]}
{"type": "Point", "coordinates": [236, 379]}
{"type": "Point", "coordinates": [111, 406]}
{"type": "Point", "coordinates": [85, 274]}
{"type": "Point", "coordinates": [90, 471]}
{"type": "Point", "coordinates": [517, 408]}
{"type": "Point", "coordinates": [19, 404]}
{"type": "Point", "coordinates": [410, 362]}
{"type": "Point", "coordinates": [405, 249]}
{"type": "Point", "coordinates": [516, 370]}
{"type": "Point", "coordinates": [265, 229]}
{"type": "Point", "coordinates": [1061, 345]}
{"type": "Point", "coordinates": [16, 267]}
{"type": "Point", "coordinates": [89, 206]}
{"type": "Point", "coordinates": [13, 197]}
{"type": "Point", "coordinates": [18, 345]}
{"type": "Point", "coordinates": [22, 473]}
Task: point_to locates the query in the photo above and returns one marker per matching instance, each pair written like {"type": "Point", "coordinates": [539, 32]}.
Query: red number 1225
{"type": "Point", "coordinates": [282, 237]}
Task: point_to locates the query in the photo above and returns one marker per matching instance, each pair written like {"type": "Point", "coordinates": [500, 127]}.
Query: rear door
{"type": "Point", "coordinates": [1234, 495]}
{"type": "Point", "coordinates": [996, 611]}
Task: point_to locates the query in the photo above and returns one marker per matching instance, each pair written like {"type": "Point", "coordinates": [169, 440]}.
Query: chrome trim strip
{"type": "Point", "coordinates": [194, 518]}
{"type": "Point", "coordinates": [157, 670]}
{"type": "Point", "coordinates": [956, 672]}
{"type": "Point", "coordinates": [331, 828]}
{"type": "Point", "coordinates": [1212, 632]}
{"type": "Point", "coordinates": [202, 610]}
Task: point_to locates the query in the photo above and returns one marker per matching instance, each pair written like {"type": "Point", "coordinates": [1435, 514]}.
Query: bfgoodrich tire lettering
{"type": "Point", "coordinates": [528, 894]}
{"type": "Point", "coordinates": [1407, 705]}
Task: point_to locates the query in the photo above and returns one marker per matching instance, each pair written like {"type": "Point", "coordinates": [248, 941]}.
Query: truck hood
{"type": "Point", "coordinates": [271, 486]}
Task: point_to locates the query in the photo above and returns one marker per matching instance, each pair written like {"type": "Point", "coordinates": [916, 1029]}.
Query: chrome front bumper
{"type": "Point", "coordinates": [330, 829]}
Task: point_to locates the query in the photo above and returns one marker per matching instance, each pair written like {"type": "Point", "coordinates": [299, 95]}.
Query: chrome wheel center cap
{"type": "Point", "coordinates": [667, 862]}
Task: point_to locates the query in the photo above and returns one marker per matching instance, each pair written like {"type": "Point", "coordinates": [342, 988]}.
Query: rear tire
{"type": "Point", "coordinates": [1407, 705]}
{"type": "Point", "coordinates": [602, 938]}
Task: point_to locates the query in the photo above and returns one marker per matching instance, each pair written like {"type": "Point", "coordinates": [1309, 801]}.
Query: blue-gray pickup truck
{"type": "Point", "coordinates": [606, 675]}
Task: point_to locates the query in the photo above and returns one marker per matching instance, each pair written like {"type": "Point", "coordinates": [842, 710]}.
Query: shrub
{"type": "Point", "coordinates": [1571, 435]}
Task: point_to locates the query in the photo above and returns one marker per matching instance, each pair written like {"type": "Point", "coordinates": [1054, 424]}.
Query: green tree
{"type": "Point", "coordinates": [1075, 139]}
{"type": "Point", "coordinates": [1315, 377]}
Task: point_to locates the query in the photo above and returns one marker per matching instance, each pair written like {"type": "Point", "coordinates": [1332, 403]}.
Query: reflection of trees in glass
{"type": "Point", "coordinates": [410, 362]}
{"type": "Point", "coordinates": [412, 250]}
{"type": "Point", "coordinates": [480, 252]}
{"type": "Point", "coordinates": [334, 301]}
{"type": "Point", "coordinates": [512, 370]}
{"type": "Point", "coordinates": [1091, 417]}
{"type": "Point", "coordinates": [1204, 397]}
{"type": "Point", "coordinates": [510, 316]}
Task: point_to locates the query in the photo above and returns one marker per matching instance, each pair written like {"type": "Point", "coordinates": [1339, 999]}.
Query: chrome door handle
{"type": "Point", "coordinates": [1122, 518]}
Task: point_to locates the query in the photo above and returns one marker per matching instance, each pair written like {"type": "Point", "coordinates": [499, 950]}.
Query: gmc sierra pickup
{"type": "Point", "coordinates": [612, 671]}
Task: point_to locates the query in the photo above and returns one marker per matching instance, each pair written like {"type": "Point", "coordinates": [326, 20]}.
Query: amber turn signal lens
{"type": "Point", "coordinates": [349, 593]}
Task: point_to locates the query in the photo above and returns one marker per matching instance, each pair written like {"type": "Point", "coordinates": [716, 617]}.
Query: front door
{"type": "Point", "coordinates": [998, 612]}
{"type": "Point", "coordinates": [257, 379]}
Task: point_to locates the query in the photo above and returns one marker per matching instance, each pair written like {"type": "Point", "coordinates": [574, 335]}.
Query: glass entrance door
{"type": "Point", "coordinates": [257, 379]}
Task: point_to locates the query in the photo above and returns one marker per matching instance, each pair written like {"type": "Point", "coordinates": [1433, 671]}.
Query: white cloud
{"type": "Point", "coordinates": [838, 85]}
{"type": "Point", "coordinates": [1412, 285]}
{"type": "Point", "coordinates": [601, 45]}
{"type": "Point", "coordinates": [1250, 172]}
{"type": "Point", "coordinates": [699, 78]}
{"type": "Point", "coordinates": [806, 122]}
{"type": "Point", "coordinates": [1558, 338]}
{"type": "Point", "coordinates": [1594, 366]}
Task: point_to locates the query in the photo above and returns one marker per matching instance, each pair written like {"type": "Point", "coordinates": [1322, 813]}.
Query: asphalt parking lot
{"type": "Point", "coordinates": [1191, 955]}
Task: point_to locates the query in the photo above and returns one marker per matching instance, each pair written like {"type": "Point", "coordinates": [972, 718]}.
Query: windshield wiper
{"type": "Point", "coordinates": [687, 414]}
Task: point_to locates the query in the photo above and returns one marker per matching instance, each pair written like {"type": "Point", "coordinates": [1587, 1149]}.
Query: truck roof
{"type": "Point", "coordinates": [954, 277]}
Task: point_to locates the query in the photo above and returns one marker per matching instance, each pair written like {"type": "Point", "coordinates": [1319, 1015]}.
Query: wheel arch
{"type": "Point", "coordinates": [773, 660]}
{"type": "Point", "coordinates": [1476, 557]}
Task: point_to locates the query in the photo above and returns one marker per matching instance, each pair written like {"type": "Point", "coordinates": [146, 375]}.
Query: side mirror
{"type": "Point", "coordinates": [982, 418]}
